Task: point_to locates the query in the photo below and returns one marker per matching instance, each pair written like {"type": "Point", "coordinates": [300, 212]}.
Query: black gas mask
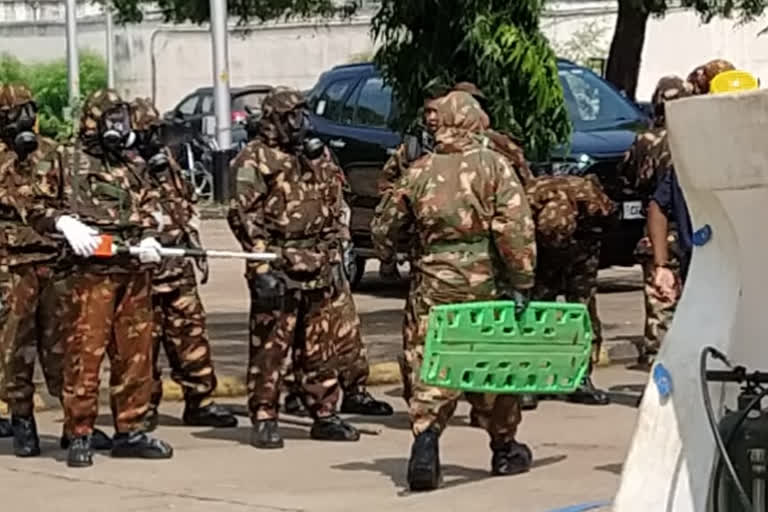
{"type": "Point", "coordinates": [18, 128]}
{"type": "Point", "coordinates": [115, 128]}
{"type": "Point", "coordinates": [150, 145]}
{"type": "Point", "coordinates": [297, 122]}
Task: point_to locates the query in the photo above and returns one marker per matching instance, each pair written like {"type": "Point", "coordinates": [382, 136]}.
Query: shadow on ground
{"type": "Point", "coordinates": [627, 395]}
{"type": "Point", "coordinates": [395, 468]}
{"type": "Point", "coordinates": [49, 447]}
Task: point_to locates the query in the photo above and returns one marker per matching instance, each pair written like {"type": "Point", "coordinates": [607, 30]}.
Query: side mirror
{"type": "Point", "coordinates": [209, 125]}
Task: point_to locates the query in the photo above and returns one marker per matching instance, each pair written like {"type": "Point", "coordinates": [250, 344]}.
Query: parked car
{"type": "Point", "coordinates": [352, 111]}
{"type": "Point", "coordinates": [199, 104]}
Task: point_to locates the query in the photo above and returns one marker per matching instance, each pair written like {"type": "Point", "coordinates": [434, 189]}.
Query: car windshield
{"type": "Point", "coordinates": [252, 99]}
{"type": "Point", "coordinates": [592, 103]}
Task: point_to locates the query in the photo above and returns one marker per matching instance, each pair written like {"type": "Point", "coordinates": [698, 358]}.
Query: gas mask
{"type": "Point", "coordinates": [150, 146]}
{"type": "Point", "coordinates": [116, 131]}
{"type": "Point", "coordinates": [297, 121]}
{"type": "Point", "coordinates": [18, 128]}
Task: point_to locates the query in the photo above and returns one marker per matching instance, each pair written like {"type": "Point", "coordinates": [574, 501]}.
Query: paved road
{"type": "Point", "coordinates": [578, 450]}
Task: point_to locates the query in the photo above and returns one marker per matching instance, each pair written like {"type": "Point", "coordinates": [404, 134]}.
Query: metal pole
{"type": "Point", "coordinates": [73, 64]}
{"type": "Point", "coordinates": [222, 99]}
{"type": "Point", "coordinates": [221, 74]}
{"type": "Point", "coordinates": [110, 49]}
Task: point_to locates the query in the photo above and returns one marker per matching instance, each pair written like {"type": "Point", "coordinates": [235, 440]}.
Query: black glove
{"type": "Point", "coordinates": [521, 298]}
{"type": "Point", "coordinates": [267, 291]}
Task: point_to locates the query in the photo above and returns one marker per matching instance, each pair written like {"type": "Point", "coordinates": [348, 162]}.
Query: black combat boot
{"type": "Point", "coordinates": [6, 430]}
{"type": "Point", "coordinates": [424, 466]}
{"type": "Point", "coordinates": [80, 453]}
{"type": "Point", "coordinates": [588, 394]}
{"type": "Point", "coordinates": [211, 415]}
{"type": "Point", "coordinates": [333, 428]}
{"type": "Point", "coordinates": [151, 420]}
{"type": "Point", "coordinates": [363, 403]}
{"type": "Point", "coordinates": [26, 443]}
{"type": "Point", "coordinates": [266, 435]}
{"type": "Point", "coordinates": [510, 458]}
{"type": "Point", "coordinates": [100, 441]}
{"type": "Point", "coordinates": [293, 405]}
{"type": "Point", "coordinates": [529, 402]}
{"type": "Point", "coordinates": [138, 445]}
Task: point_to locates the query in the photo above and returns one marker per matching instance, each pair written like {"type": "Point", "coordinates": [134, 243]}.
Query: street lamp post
{"type": "Point", "coordinates": [73, 64]}
{"type": "Point", "coordinates": [222, 99]}
{"type": "Point", "coordinates": [110, 46]}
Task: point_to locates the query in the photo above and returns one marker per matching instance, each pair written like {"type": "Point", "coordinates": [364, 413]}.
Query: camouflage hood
{"type": "Point", "coordinates": [701, 77]}
{"type": "Point", "coordinates": [461, 117]}
{"type": "Point", "coordinates": [669, 88]}
{"type": "Point", "coordinates": [144, 115]}
{"type": "Point", "coordinates": [563, 204]}
{"type": "Point", "coordinates": [279, 110]}
{"type": "Point", "coordinates": [96, 105]}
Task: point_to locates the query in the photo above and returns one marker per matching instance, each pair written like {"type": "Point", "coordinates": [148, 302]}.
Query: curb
{"type": "Point", "coordinates": [381, 374]}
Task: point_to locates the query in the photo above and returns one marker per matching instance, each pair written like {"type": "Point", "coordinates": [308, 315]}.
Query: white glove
{"type": "Point", "coordinates": [150, 251]}
{"type": "Point", "coordinates": [83, 239]}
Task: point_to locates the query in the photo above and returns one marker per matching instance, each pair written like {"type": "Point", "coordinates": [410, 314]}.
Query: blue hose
{"type": "Point", "coordinates": [583, 507]}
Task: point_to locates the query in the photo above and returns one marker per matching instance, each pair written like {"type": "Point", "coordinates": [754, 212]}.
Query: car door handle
{"type": "Point", "coordinates": [337, 143]}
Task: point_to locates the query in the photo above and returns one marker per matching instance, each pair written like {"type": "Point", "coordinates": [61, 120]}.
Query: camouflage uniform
{"type": "Point", "coordinates": [28, 270]}
{"type": "Point", "coordinates": [110, 299]}
{"type": "Point", "coordinates": [645, 162]}
{"type": "Point", "coordinates": [179, 315]}
{"type": "Point", "coordinates": [292, 206]}
{"type": "Point", "coordinates": [467, 204]}
{"type": "Point", "coordinates": [567, 211]}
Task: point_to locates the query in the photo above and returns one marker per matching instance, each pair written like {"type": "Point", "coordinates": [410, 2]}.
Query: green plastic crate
{"type": "Point", "coordinates": [482, 347]}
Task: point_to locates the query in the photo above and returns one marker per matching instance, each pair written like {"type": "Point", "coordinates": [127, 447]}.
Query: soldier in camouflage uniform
{"type": "Point", "coordinates": [179, 315]}
{"type": "Point", "coordinates": [645, 162]}
{"type": "Point", "coordinates": [99, 188]}
{"type": "Point", "coordinates": [467, 205]}
{"type": "Point", "coordinates": [569, 212]}
{"type": "Point", "coordinates": [34, 269]}
{"type": "Point", "coordinates": [289, 202]}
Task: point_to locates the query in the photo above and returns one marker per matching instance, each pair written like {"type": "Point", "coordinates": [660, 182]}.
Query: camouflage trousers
{"type": "Point", "coordinates": [113, 315]}
{"type": "Point", "coordinates": [658, 313]}
{"type": "Point", "coordinates": [572, 272]}
{"type": "Point", "coordinates": [28, 329]}
{"type": "Point", "coordinates": [349, 349]}
{"type": "Point", "coordinates": [179, 327]}
{"type": "Point", "coordinates": [499, 415]}
{"type": "Point", "coordinates": [302, 324]}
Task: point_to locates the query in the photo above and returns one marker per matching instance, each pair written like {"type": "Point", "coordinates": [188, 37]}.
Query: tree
{"type": "Point", "coordinates": [629, 36]}
{"type": "Point", "coordinates": [48, 83]}
{"type": "Point", "coordinates": [198, 11]}
{"type": "Point", "coordinates": [496, 44]}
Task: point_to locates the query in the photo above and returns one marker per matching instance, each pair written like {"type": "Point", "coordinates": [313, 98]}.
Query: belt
{"type": "Point", "coordinates": [483, 245]}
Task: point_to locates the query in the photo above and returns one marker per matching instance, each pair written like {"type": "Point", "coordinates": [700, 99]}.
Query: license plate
{"type": "Point", "coordinates": [633, 210]}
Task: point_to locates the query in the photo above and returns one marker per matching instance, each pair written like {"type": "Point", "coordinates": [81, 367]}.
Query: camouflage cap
{"type": "Point", "coordinates": [144, 115]}
{"type": "Point", "coordinates": [96, 104]}
{"type": "Point", "coordinates": [460, 116]}
{"type": "Point", "coordinates": [470, 88]}
{"type": "Point", "coordinates": [14, 96]}
{"type": "Point", "coordinates": [701, 76]}
{"type": "Point", "coordinates": [670, 88]}
{"type": "Point", "coordinates": [281, 100]}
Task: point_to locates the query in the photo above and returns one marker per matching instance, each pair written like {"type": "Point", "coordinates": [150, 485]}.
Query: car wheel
{"type": "Point", "coordinates": [202, 179]}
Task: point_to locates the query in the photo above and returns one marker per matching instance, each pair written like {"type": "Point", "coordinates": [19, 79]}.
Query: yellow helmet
{"type": "Point", "coordinates": [733, 81]}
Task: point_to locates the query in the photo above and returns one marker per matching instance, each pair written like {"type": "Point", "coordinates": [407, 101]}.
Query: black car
{"type": "Point", "coordinates": [199, 104]}
{"type": "Point", "coordinates": [352, 110]}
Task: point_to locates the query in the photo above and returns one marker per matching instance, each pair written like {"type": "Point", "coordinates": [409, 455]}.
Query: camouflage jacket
{"type": "Point", "coordinates": [645, 162]}
{"type": "Point", "coordinates": [567, 209]}
{"type": "Point", "coordinates": [179, 225]}
{"type": "Point", "coordinates": [20, 242]}
{"type": "Point", "coordinates": [113, 198]}
{"type": "Point", "coordinates": [473, 223]}
{"type": "Point", "coordinates": [289, 205]}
